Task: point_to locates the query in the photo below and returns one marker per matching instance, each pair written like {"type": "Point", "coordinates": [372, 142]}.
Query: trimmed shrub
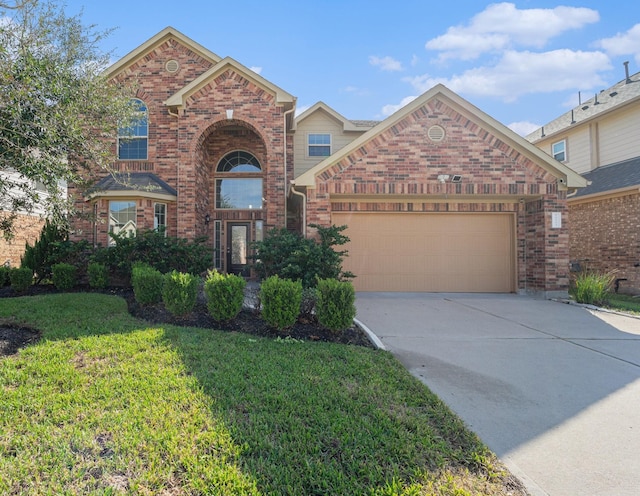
{"type": "Point", "coordinates": [4, 275]}
{"type": "Point", "coordinates": [225, 295]}
{"type": "Point", "coordinates": [335, 307]}
{"type": "Point", "coordinates": [21, 278]}
{"type": "Point", "coordinates": [147, 284]}
{"type": "Point", "coordinates": [280, 301]}
{"type": "Point", "coordinates": [179, 292]}
{"type": "Point", "coordinates": [64, 275]}
{"type": "Point", "coordinates": [98, 275]}
{"type": "Point", "coordinates": [593, 287]}
{"type": "Point", "coordinates": [308, 303]}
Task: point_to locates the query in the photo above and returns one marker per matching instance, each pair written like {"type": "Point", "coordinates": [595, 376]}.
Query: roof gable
{"type": "Point", "coordinates": [347, 125]}
{"type": "Point", "coordinates": [179, 98]}
{"type": "Point", "coordinates": [157, 40]}
{"type": "Point", "coordinates": [557, 169]}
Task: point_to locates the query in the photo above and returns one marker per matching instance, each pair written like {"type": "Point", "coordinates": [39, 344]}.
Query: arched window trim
{"type": "Point", "coordinates": [133, 141]}
{"type": "Point", "coordinates": [239, 182]}
{"type": "Point", "coordinates": [239, 159]}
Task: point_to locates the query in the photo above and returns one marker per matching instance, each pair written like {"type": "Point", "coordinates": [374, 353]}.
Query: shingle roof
{"type": "Point", "coordinates": [612, 177]}
{"type": "Point", "coordinates": [363, 123]}
{"type": "Point", "coordinates": [134, 181]}
{"type": "Point", "coordinates": [603, 101]}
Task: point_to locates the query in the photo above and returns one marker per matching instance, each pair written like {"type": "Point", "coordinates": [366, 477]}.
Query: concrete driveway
{"type": "Point", "coordinates": [553, 389]}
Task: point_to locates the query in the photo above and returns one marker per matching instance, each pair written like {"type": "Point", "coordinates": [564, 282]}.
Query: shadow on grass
{"type": "Point", "coordinates": [278, 416]}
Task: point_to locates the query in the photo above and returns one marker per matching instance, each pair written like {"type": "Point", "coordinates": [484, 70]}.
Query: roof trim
{"type": "Point", "coordinates": [570, 178]}
{"type": "Point", "coordinates": [347, 125]}
{"type": "Point", "coordinates": [158, 39]}
{"type": "Point", "coordinates": [178, 99]}
{"type": "Point", "coordinates": [602, 195]}
{"type": "Point", "coordinates": [135, 185]}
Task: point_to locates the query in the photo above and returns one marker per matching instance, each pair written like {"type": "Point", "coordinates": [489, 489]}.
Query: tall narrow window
{"type": "Point", "coordinates": [319, 145]}
{"type": "Point", "coordinates": [122, 218]}
{"type": "Point", "coordinates": [133, 139]}
{"type": "Point", "coordinates": [559, 150]}
{"type": "Point", "coordinates": [160, 217]}
{"type": "Point", "coordinates": [217, 244]}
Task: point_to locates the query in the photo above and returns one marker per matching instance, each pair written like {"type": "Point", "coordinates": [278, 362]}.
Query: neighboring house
{"type": "Point", "coordinates": [601, 140]}
{"type": "Point", "coordinates": [437, 197]}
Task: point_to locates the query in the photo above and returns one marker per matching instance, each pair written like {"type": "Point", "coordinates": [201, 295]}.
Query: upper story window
{"type": "Point", "coordinates": [133, 140]}
{"type": "Point", "coordinates": [559, 150]}
{"type": "Point", "coordinates": [239, 182]}
{"type": "Point", "coordinates": [319, 145]}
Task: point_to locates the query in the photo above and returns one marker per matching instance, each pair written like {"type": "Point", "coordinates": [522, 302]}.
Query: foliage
{"type": "Point", "coordinates": [105, 404]}
{"type": "Point", "coordinates": [21, 278]}
{"type": "Point", "coordinates": [623, 302]}
{"type": "Point", "coordinates": [308, 302]}
{"type": "Point", "coordinates": [335, 307]}
{"type": "Point", "coordinates": [281, 300]}
{"type": "Point", "coordinates": [4, 275]}
{"type": "Point", "coordinates": [164, 253]}
{"type": "Point", "coordinates": [147, 284]}
{"type": "Point", "coordinates": [56, 107]}
{"type": "Point", "coordinates": [42, 255]}
{"type": "Point", "coordinates": [225, 295]}
{"type": "Point", "coordinates": [98, 275]}
{"type": "Point", "coordinates": [593, 287]}
{"type": "Point", "coordinates": [293, 257]}
{"type": "Point", "coordinates": [179, 292]}
{"type": "Point", "coordinates": [64, 275]}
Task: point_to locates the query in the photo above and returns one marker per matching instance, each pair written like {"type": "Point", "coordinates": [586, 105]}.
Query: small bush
{"type": "Point", "coordinates": [280, 301]}
{"type": "Point", "coordinates": [308, 303]}
{"type": "Point", "coordinates": [98, 275]}
{"type": "Point", "coordinates": [593, 287]}
{"type": "Point", "coordinates": [147, 284]}
{"type": "Point", "coordinates": [225, 295]}
{"type": "Point", "coordinates": [179, 292]}
{"type": "Point", "coordinates": [4, 275]}
{"type": "Point", "coordinates": [335, 307]}
{"type": "Point", "coordinates": [21, 278]}
{"type": "Point", "coordinates": [64, 275]}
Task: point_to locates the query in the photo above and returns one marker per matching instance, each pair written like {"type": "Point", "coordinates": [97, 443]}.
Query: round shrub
{"type": "Point", "coordinates": [98, 275]}
{"type": "Point", "coordinates": [64, 276]}
{"type": "Point", "coordinates": [225, 295]}
{"type": "Point", "coordinates": [180, 292]}
{"type": "Point", "coordinates": [281, 300]}
{"type": "Point", "coordinates": [147, 284]}
{"type": "Point", "coordinates": [21, 278]}
{"type": "Point", "coordinates": [335, 307]}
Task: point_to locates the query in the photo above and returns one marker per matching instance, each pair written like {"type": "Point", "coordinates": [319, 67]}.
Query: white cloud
{"type": "Point", "coordinates": [387, 110]}
{"type": "Point", "coordinates": [301, 109]}
{"type": "Point", "coordinates": [521, 73]}
{"type": "Point", "coordinates": [255, 69]}
{"type": "Point", "coordinates": [523, 128]}
{"type": "Point", "coordinates": [627, 43]}
{"type": "Point", "coordinates": [385, 63]}
{"type": "Point", "coordinates": [502, 25]}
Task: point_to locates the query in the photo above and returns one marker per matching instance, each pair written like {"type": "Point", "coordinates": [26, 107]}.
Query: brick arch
{"type": "Point", "coordinates": [212, 127]}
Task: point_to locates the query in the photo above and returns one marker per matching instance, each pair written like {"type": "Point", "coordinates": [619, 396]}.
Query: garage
{"type": "Point", "coordinates": [430, 252]}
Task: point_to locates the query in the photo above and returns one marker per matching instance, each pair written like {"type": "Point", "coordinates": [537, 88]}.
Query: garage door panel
{"type": "Point", "coordinates": [430, 252]}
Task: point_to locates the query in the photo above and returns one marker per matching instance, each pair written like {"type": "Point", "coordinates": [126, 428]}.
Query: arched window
{"type": "Point", "coordinates": [239, 182]}
{"type": "Point", "coordinates": [133, 139]}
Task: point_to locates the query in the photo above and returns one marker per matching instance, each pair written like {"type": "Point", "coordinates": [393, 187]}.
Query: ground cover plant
{"type": "Point", "coordinates": [105, 403]}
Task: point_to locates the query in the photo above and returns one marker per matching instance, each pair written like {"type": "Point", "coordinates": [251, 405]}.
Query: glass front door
{"type": "Point", "coordinates": [238, 248]}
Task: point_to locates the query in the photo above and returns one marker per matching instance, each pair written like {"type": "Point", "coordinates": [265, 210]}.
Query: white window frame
{"type": "Point", "coordinates": [133, 222]}
{"type": "Point", "coordinates": [318, 145]}
{"type": "Point", "coordinates": [156, 224]}
{"type": "Point", "coordinates": [136, 137]}
{"type": "Point", "coordinates": [563, 152]}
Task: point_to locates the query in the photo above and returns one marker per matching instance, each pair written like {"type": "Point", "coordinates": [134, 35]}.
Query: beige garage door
{"type": "Point", "coordinates": [430, 252]}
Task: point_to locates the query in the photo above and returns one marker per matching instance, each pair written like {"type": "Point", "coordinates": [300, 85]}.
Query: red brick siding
{"type": "Point", "coordinates": [27, 229]}
{"type": "Point", "coordinates": [605, 236]}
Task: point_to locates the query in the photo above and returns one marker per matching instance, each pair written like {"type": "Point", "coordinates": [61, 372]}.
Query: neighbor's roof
{"type": "Point", "coordinates": [621, 93]}
{"type": "Point", "coordinates": [347, 124]}
{"type": "Point", "coordinates": [558, 169]}
{"type": "Point", "coordinates": [610, 178]}
{"type": "Point", "coordinates": [143, 184]}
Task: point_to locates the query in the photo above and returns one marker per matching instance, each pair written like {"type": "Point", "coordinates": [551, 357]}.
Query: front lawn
{"type": "Point", "coordinates": [106, 404]}
{"type": "Point", "coordinates": [623, 302]}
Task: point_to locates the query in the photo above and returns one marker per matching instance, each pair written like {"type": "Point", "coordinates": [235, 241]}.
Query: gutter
{"type": "Point", "coordinates": [286, 113]}
{"type": "Point", "coordinates": [304, 208]}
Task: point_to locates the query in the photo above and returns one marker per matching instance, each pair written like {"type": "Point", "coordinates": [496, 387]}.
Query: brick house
{"type": "Point", "coordinates": [599, 139]}
{"type": "Point", "coordinates": [437, 197]}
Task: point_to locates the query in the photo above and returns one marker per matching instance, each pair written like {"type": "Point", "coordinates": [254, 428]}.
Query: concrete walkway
{"type": "Point", "coordinates": [553, 389]}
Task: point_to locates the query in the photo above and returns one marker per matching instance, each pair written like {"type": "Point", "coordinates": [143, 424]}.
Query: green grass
{"type": "Point", "coordinates": [625, 303]}
{"type": "Point", "coordinates": [105, 404]}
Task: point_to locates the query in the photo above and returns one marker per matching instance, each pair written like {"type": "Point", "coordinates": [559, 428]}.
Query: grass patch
{"type": "Point", "coordinates": [626, 303]}
{"type": "Point", "coordinates": [105, 404]}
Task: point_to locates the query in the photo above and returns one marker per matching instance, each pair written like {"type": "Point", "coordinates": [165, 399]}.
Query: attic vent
{"type": "Point", "coordinates": [435, 133]}
{"type": "Point", "coordinates": [172, 66]}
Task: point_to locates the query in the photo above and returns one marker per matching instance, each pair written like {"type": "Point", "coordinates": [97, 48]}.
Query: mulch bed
{"type": "Point", "coordinates": [12, 337]}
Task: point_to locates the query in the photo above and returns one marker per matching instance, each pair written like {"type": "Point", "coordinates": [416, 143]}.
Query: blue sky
{"type": "Point", "coordinates": [522, 62]}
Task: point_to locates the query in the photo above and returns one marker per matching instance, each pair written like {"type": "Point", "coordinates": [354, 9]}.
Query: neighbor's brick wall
{"type": "Point", "coordinates": [605, 236]}
{"type": "Point", "coordinates": [403, 161]}
{"type": "Point", "coordinates": [27, 229]}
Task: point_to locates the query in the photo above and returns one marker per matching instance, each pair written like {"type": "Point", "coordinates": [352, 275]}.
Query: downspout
{"type": "Point", "coordinates": [286, 193]}
{"type": "Point", "coordinates": [304, 208]}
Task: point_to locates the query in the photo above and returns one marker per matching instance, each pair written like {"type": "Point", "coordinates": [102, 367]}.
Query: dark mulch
{"type": "Point", "coordinates": [249, 322]}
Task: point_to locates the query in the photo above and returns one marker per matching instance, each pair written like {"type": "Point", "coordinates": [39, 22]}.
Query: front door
{"type": "Point", "coordinates": [238, 247]}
